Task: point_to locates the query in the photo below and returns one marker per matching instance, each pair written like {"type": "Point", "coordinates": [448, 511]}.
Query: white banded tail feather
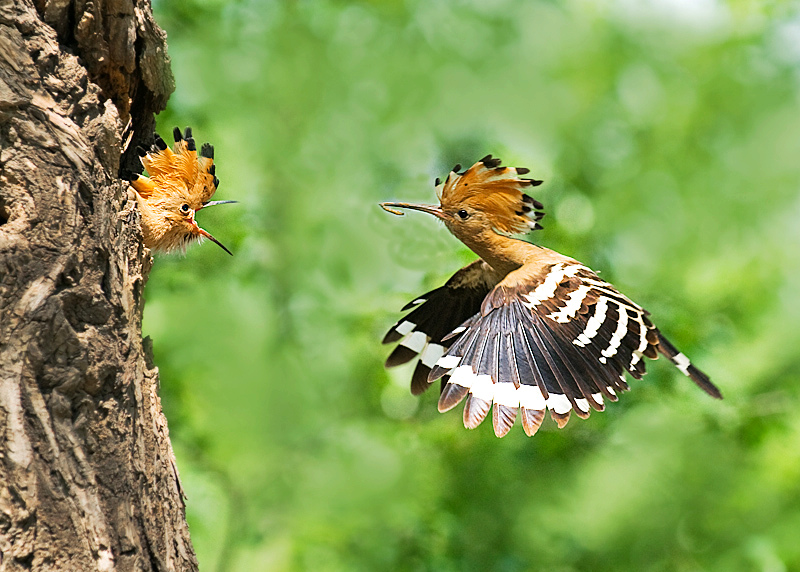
{"type": "Point", "coordinates": [685, 366]}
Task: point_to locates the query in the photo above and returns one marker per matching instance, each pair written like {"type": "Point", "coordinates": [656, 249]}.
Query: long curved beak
{"type": "Point", "coordinates": [207, 234]}
{"type": "Point", "coordinates": [214, 240]}
{"type": "Point", "coordinates": [214, 203]}
{"type": "Point", "coordinates": [435, 210]}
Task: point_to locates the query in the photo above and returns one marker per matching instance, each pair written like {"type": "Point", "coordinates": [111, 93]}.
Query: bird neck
{"type": "Point", "coordinates": [502, 253]}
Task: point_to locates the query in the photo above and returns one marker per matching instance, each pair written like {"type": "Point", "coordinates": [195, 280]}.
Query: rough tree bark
{"type": "Point", "coordinates": [87, 473]}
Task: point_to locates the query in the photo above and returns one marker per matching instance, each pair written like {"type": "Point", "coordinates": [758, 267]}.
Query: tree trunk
{"type": "Point", "coordinates": [87, 474]}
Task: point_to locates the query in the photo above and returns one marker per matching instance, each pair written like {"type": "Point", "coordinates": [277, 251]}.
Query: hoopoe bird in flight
{"type": "Point", "coordinates": [180, 183]}
{"type": "Point", "coordinates": [523, 329]}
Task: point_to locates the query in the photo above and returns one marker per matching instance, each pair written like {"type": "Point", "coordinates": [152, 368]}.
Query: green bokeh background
{"type": "Point", "coordinates": [668, 134]}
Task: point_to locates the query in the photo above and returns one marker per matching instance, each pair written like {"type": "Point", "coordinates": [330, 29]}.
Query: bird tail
{"type": "Point", "coordinates": [680, 361]}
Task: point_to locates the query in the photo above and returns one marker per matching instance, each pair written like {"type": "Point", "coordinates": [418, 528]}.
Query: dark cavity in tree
{"type": "Point", "coordinates": [4, 214]}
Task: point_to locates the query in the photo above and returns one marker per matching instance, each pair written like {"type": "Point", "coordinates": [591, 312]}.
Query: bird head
{"type": "Point", "coordinates": [485, 196]}
{"type": "Point", "coordinates": [180, 183]}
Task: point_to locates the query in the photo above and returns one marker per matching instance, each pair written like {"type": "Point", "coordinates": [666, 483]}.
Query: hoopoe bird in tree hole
{"type": "Point", "coordinates": [523, 329]}
{"type": "Point", "coordinates": [180, 183]}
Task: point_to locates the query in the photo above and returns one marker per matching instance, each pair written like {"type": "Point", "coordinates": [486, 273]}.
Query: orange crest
{"type": "Point", "coordinates": [179, 184]}
{"type": "Point", "coordinates": [497, 191]}
{"type": "Point", "coordinates": [179, 170]}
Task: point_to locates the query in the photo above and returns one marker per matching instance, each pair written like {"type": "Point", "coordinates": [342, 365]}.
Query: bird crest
{"type": "Point", "coordinates": [497, 191]}
{"type": "Point", "coordinates": [178, 171]}
{"type": "Point", "coordinates": [179, 184]}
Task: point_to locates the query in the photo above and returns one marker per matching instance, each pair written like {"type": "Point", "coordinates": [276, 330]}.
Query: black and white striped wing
{"type": "Point", "coordinates": [560, 343]}
{"type": "Point", "coordinates": [434, 316]}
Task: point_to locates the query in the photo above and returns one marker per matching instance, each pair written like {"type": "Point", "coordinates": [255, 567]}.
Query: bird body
{"type": "Point", "coordinates": [180, 183]}
{"type": "Point", "coordinates": [523, 329]}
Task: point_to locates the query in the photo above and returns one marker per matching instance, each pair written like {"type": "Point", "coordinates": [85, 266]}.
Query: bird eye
{"type": "Point", "coordinates": [463, 214]}
{"type": "Point", "coordinates": [185, 209]}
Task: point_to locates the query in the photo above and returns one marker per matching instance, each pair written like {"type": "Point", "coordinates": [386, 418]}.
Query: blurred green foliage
{"type": "Point", "coordinates": [668, 133]}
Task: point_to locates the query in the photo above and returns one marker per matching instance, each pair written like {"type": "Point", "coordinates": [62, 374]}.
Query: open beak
{"type": "Point", "coordinates": [435, 210]}
{"type": "Point", "coordinates": [208, 234]}
{"type": "Point", "coordinates": [214, 203]}
{"type": "Point", "coordinates": [214, 240]}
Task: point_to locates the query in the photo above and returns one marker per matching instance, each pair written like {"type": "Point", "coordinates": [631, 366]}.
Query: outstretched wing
{"type": "Point", "coordinates": [560, 339]}
{"type": "Point", "coordinates": [434, 316]}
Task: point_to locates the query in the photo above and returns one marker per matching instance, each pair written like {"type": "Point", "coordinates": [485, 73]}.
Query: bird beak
{"type": "Point", "coordinates": [214, 203]}
{"type": "Point", "coordinates": [212, 239]}
{"type": "Point", "coordinates": [435, 210]}
{"type": "Point", "coordinates": [208, 234]}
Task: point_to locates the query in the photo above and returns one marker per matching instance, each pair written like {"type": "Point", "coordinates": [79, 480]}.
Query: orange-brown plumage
{"type": "Point", "coordinates": [497, 191]}
{"type": "Point", "coordinates": [524, 329]}
{"type": "Point", "coordinates": [180, 183]}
